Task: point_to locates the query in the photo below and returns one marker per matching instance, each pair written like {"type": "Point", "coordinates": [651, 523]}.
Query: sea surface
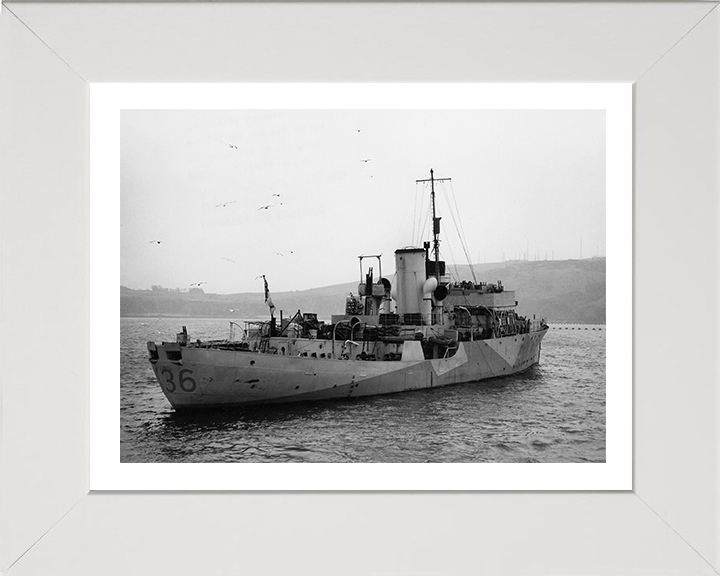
{"type": "Point", "coordinates": [554, 412]}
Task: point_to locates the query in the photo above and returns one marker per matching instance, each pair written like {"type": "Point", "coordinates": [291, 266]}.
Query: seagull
{"type": "Point", "coordinates": [265, 207]}
{"type": "Point", "coordinates": [233, 146]}
{"type": "Point", "coordinates": [229, 260]}
{"type": "Point", "coordinates": [198, 284]}
{"type": "Point", "coordinates": [156, 242]}
{"type": "Point", "coordinates": [276, 194]}
{"type": "Point", "coordinates": [225, 204]}
{"type": "Point", "coordinates": [278, 253]}
{"type": "Point", "coordinates": [367, 160]}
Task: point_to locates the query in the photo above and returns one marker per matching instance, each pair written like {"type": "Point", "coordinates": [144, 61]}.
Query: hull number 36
{"type": "Point", "coordinates": [185, 382]}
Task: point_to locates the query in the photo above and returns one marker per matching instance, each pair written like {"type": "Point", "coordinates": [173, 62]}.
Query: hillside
{"type": "Point", "coordinates": [559, 290]}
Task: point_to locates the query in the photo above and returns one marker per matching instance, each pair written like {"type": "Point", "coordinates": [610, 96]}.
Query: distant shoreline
{"type": "Point", "coordinates": [571, 291]}
{"type": "Point", "coordinates": [168, 317]}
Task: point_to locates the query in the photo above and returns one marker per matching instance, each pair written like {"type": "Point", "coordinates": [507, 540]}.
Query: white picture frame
{"type": "Point", "coordinates": [668, 524]}
{"type": "Point", "coordinates": [109, 101]}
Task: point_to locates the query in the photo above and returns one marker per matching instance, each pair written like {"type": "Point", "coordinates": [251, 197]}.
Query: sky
{"type": "Point", "coordinates": [341, 183]}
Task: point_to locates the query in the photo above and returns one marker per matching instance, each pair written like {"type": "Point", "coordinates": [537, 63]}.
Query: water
{"type": "Point", "coordinates": [554, 412]}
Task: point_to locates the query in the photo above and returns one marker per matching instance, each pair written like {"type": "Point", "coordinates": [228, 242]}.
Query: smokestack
{"type": "Point", "coordinates": [410, 267]}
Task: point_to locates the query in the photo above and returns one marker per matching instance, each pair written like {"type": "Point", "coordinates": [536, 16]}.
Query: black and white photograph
{"type": "Point", "coordinates": [363, 286]}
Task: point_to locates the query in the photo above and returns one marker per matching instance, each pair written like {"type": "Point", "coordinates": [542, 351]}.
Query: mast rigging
{"type": "Point", "coordinates": [436, 220]}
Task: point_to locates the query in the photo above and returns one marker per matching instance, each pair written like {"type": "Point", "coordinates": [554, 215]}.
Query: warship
{"type": "Point", "coordinates": [423, 329]}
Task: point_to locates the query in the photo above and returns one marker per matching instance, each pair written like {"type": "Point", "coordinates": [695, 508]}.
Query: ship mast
{"type": "Point", "coordinates": [436, 220]}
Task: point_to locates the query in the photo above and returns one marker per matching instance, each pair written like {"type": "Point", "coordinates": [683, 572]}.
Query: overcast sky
{"type": "Point", "coordinates": [520, 179]}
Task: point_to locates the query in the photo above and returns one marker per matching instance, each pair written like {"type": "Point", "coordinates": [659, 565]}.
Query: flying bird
{"type": "Point", "coordinates": [198, 284]}
{"type": "Point", "coordinates": [278, 253]}
{"type": "Point", "coordinates": [233, 146]}
{"type": "Point", "coordinates": [156, 242]}
{"type": "Point", "coordinates": [225, 204]}
{"type": "Point", "coordinates": [265, 207]}
{"type": "Point", "coordinates": [366, 160]}
{"type": "Point", "coordinates": [276, 194]}
{"type": "Point", "coordinates": [229, 260]}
